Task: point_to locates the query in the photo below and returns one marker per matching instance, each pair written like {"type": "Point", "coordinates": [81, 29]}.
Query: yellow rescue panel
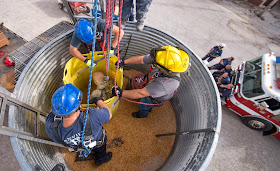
{"type": "Point", "coordinates": [72, 74]}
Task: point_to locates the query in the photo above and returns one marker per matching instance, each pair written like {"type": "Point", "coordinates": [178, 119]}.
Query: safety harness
{"type": "Point", "coordinates": [99, 41]}
{"type": "Point", "coordinates": [88, 137]}
{"type": "Point", "coordinates": [140, 80]}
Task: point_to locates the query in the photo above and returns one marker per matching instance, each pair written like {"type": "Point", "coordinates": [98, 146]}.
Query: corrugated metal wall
{"type": "Point", "coordinates": [196, 105]}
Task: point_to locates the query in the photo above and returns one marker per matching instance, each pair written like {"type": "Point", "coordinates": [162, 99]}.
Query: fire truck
{"type": "Point", "coordinates": [256, 94]}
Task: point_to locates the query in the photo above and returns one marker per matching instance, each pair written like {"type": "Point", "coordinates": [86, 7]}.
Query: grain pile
{"type": "Point", "coordinates": [132, 140]}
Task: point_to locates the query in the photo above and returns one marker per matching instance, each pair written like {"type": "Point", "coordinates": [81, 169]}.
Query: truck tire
{"type": "Point", "coordinates": [256, 123]}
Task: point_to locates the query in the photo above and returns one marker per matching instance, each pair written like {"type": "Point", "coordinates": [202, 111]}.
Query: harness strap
{"type": "Point", "coordinates": [100, 43]}
{"type": "Point", "coordinates": [55, 124]}
{"type": "Point", "coordinates": [54, 127]}
{"type": "Point", "coordinates": [155, 75]}
{"type": "Point", "coordinates": [88, 127]}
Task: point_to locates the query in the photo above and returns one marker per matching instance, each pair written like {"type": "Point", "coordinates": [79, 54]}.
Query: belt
{"type": "Point", "coordinates": [98, 144]}
{"type": "Point", "coordinates": [154, 101]}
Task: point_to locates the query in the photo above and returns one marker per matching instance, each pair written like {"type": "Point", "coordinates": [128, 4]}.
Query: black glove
{"type": "Point", "coordinates": [121, 64]}
{"type": "Point", "coordinates": [154, 51]}
{"type": "Point", "coordinates": [119, 91]}
{"type": "Point", "coordinates": [95, 100]}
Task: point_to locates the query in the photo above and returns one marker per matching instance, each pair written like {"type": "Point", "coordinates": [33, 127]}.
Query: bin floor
{"type": "Point", "coordinates": [132, 140]}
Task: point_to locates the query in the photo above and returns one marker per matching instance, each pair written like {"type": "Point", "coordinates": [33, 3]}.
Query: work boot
{"type": "Point", "coordinates": [138, 115]}
{"type": "Point", "coordinates": [123, 24]}
{"type": "Point", "coordinates": [107, 158]}
{"type": "Point", "coordinates": [140, 25]}
{"type": "Point", "coordinates": [58, 167]}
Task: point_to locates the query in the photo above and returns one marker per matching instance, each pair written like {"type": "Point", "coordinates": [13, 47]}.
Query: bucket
{"type": "Point", "coordinates": [76, 74]}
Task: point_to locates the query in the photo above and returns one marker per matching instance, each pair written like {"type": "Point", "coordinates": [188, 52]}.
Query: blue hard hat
{"type": "Point", "coordinates": [83, 30]}
{"type": "Point", "coordinates": [66, 100]}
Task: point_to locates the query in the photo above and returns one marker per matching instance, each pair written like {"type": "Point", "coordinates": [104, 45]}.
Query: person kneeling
{"type": "Point", "coordinates": [65, 123]}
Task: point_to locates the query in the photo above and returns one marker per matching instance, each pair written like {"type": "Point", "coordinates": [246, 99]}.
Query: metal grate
{"type": "Point", "coordinates": [276, 117]}
{"type": "Point", "coordinates": [22, 55]}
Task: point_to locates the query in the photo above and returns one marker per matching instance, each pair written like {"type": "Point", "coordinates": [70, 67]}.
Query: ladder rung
{"type": "Point", "coordinates": [82, 1]}
{"type": "Point", "coordinates": [79, 16]}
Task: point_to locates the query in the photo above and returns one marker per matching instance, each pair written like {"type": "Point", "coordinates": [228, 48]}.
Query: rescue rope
{"type": "Point", "coordinates": [118, 46]}
{"type": "Point", "coordinates": [118, 55]}
{"type": "Point", "coordinates": [110, 6]}
{"type": "Point", "coordinates": [87, 151]}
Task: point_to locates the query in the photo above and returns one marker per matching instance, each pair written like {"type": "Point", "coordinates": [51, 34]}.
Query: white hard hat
{"type": "Point", "coordinates": [222, 45]}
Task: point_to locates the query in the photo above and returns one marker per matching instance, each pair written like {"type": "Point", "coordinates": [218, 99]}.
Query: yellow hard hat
{"type": "Point", "coordinates": [173, 59]}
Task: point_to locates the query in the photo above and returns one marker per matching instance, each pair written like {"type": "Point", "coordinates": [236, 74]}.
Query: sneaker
{"type": "Point", "coordinates": [123, 24]}
{"type": "Point", "coordinates": [137, 115]}
{"type": "Point", "coordinates": [140, 25]}
{"type": "Point", "coordinates": [107, 158]}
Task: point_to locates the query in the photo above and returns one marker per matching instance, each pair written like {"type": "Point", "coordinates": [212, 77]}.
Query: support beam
{"type": "Point", "coordinates": [267, 8]}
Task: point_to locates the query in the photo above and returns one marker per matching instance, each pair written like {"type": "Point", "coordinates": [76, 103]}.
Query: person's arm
{"type": "Point", "coordinates": [136, 93]}
{"type": "Point", "coordinates": [222, 86]}
{"type": "Point", "coordinates": [75, 52]}
{"type": "Point", "coordinates": [219, 79]}
{"type": "Point", "coordinates": [210, 51]}
{"type": "Point", "coordinates": [116, 32]}
{"type": "Point", "coordinates": [134, 60]}
{"type": "Point", "coordinates": [100, 104]}
{"type": "Point", "coordinates": [221, 70]}
{"type": "Point", "coordinates": [222, 61]}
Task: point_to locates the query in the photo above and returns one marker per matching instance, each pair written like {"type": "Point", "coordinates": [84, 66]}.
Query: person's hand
{"type": "Point", "coordinates": [87, 62]}
{"type": "Point", "coordinates": [114, 50]}
{"type": "Point", "coordinates": [118, 92]}
{"type": "Point", "coordinates": [121, 64]}
{"type": "Point", "coordinates": [96, 99]}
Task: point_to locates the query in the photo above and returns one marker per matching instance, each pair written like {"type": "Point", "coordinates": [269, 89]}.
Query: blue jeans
{"type": "Point", "coordinates": [217, 66]}
{"type": "Point", "coordinates": [145, 109]}
{"type": "Point", "coordinates": [142, 7]}
{"type": "Point", "coordinates": [208, 56]}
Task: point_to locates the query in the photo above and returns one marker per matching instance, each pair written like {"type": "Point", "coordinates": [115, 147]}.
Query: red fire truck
{"type": "Point", "coordinates": [256, 94]}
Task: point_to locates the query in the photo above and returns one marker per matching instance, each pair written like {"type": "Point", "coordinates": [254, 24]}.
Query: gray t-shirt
{"type": "Point", "coordinates": [160, 88]}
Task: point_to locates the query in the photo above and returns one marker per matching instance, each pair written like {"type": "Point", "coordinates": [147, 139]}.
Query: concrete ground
{"type": "Point", "coordinates": [200, 25]}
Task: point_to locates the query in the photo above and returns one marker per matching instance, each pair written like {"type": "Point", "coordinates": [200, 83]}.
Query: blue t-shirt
{"type": "Point", "coordinates": [72, 134]}
{"type": "Point", "coordinates": [229, 71]}
{"type": "Point", "coordinates": [226, 62]}
{"type": "Point", "coordinates": [76, 42]}
{"type": "Point", "coordinates": [216, 51]}
{"type": "Point", "coordinates": [225, 81]}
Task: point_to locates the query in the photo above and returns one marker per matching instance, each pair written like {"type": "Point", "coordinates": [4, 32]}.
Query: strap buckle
{"type": "Point", "coordinates": [156, 74]}
{"type": "Point", "coordinates": [89, 143]}
{"type": "Point", "coordinates": [57, 118]}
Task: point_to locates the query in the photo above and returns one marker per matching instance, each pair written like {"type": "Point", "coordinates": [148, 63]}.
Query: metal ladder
{"type": "Point", "coordinates": [30, 119]}
{"type": "Point", "coordinates": [74, 16]}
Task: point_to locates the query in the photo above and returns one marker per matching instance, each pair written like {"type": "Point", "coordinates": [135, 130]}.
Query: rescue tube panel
{"type": "Point", "coordinates": [196, 104]}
